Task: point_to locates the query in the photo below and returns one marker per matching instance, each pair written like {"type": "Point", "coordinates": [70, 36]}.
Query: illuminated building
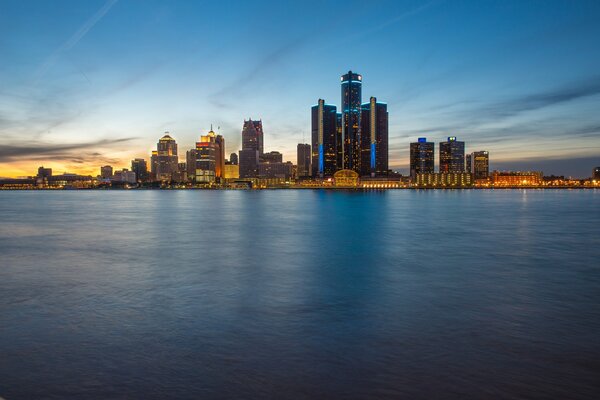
{"type": "Point", "coordinates": [351, 126]}
{"type": "Point", "coordinates": [210, 158]}
{"type": "Point", "coordinates": [248, 166]}
{"type": "Point", "coordinates": [443, 180]}
{"type": "Point", "coordinates": [232, 171]}
{"type": "Point", "coordinates": [166, 158]}
{"type": "Point", "coordinates": [125, 176]}
{"type": "Point", "coordinates": [346, 178]}
{"type": "Point", "coordinates": [478, 163]}
{"type": "Point", "coordinates": [303, 160]}
{"type": "Point", "coordinates": [252, 136]}
{"type": "Point", "coordinates": [339, 141]}
{"type": "Point", "coordinates": [233, 159]}
{"type": "Point", "coordinates": [271, 157]}
{"type": "Point", "coordinates": [452, 155]}
{"type": "Point", "coordinates": [140, 167]}
{"type": "Point", "coordinates": [153, 164]}
{"type": "Point", "coordinates": [374, 138]}
{"type": "Point", "coordinates": [516, 178]}
{"type": "Point", "coordinates": [275, 170]}
{"type": "Point", "coordinates": [324, 145]}
{"type": "Point", "coordinates": [422, 157]}
{"type": "Point", "coordinates": [596, 173]}
{"type": "Point", "coordinates": [44, 172]}
{"type": "Point", "coordinates": [106, 172]}
{"type": "Point", "coordinates": [468, 163]}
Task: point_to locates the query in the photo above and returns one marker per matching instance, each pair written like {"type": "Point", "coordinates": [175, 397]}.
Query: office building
{"type": "Point", "coordinates": [374, 138]}
{"type": "Point", "coordinates": [140, 168]}
{"type": "Point", "coordinates": [165, 160]}
{"type": "Point", "coordinates": [351, 125]}
{"type": "Point", "coordinates": [517, 178]}
{"type": "Point", "coordinates": [275, 170]}
{"type": "Point", "coordinates": [252, 136]}
{"type": "Point", "coordinates": [248, 166]}
{"type": "Point", "coordinates": [44, 172]}
{"type": "Point", "coordinates": [324, 145]}
{"type": "Point", "coordinates": [271, 157]}
{"type": "Point", "coordinates": [452, 156]}
{"type": "Point", "coordinates": [210, 161]}
{"type": "Point", "coordinates": [422, 157]}
{"type": "Point", "coordinates": [443, 180]}
{"type": "Point", "coordinates": [232, 171]}
{"type": "Point", "coordinates": [303, 160]}
{"type": "Point", "coordinates": [596, 173]}
{"type": "Point", "coordinates": [233, 159]}
{"type": "Point", "coordinates": [106, 172]}
{"type": "Point", "coordinates": [478, 164]}
{"type": "Point", "coordinates": [124, 176]}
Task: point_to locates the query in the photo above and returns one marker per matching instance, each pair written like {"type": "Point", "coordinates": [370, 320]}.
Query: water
{"type": "Point", "coordinates": [300, 294]}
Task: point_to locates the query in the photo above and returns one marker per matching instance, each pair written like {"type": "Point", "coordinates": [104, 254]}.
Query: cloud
{"type": "Point", "coordinates": [39, 151]}
{"type": "Point", "coordinates": [74, 39]}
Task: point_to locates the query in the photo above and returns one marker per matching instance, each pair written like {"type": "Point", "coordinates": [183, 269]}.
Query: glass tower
{"type": "Point", "coordinates": [422, 157]}
{"type": "Point", "coordinates": [324, 143]}
{"type": "Point", "coordinates": [351, 115]}
{"type": "Point", "coordinates": [452, 155]}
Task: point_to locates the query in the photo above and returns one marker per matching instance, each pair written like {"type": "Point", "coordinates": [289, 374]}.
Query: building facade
{"type": "Point", "coordinates": [165, 161]}
{"type": "Point", "coordinates": [253, 136]}
{"type": "Point", "coordinates": [303, 160]}
{"type": "Point", "coordinates": [422, 157]}
{"type": "Point", "coordinates": [452, 156]}
{"type": "Point", "coordinates": [248, 166]}
{"type": "Point", "coordinates": [479, 164]}
{"type": "Point", "coordinates": [374, 138]}
{"type": "Point", "coordinates": [324, 139]}
{"type": "Point", "coordinates": [443, 180]}
{"type": "Point", "coordinates": [140, 168]}
{"type": "Point", "coordinates": [210, 161]}
{"type": "Point", "coordinates": [351, 121]}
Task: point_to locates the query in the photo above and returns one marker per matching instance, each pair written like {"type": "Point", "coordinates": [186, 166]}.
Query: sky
{"type": "Point", "coordinates": [96, 82]}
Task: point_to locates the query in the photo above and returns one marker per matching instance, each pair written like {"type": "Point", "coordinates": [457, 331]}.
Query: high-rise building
{"type": "Point", "coordinates": [210, 158]}
{"type": "Point", "coordinates": [140, 168]}
{"type": "Point", "coordinates": [374, 138]}
{"type": "Point", "coordinates": [422, 157]}
{"type": "Point", "coordinates": [233, 159]}
{"type": "Point", "coordinates": [303, 160]}
{"type": "Point", "coordinates": [351, 126]}
{"type": "Point", "coordinates": [478, 164]}
{"type": "Point", "coordinates": [166, 158]}
{"type": "Point", "coordinates": [106, 172]}
{"type": "Point", "coordinates": [44, 172]}
{"type": "Point", "coordinates": [324, 146]}
{"type": "Point", "coordinates": [190, 164]}
{"type": "Point", "coordinates": [252, 136]}
{"type": "Point", "coordinates": [596, 173]}
{"type": "Point", "coordinates": [452, 155]}
{"type": "Point", "coordinates": [339, 140]}
{"type": "Point", "coordinates": [271, 157]}
{"type": "Point", "coordinates": [248, 167]}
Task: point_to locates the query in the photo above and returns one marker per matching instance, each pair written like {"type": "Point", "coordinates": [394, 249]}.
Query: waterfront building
{"type": "Point", "coordinates": [271, 157]}
{"type": "Point", "coordinates": [140, 168]}
{"type": "Point", "coordinates": [232, 171]}
{"type": "Point", "coordinates": [324, 144]}
{"type": "Point", "coordinates": [210, 161]}
{"type": "Point", "coordinates": [479, 164]}
{"type": "Point", "coordinates": [125, 176]}
{"type": "Point", "coordinates": [468, 163]}
{"type": "Point", "coordinates": [190, 164]}
{"type": "Point", "coordinates": [351, 125]}
{"type": "Point", "coordinates": [153, 164]}
{"type": "Point", "coordinates": [374, 138]}
{"type": "Point", "coordinates": [233, 159]}
{"type": "Point", "coordinates": [166, 159]}
{"type": "Point", "coordinates": [248, 166]}
{"type": "Point", "coordinates": [268, 170]}
{"type": "Point", "coordinates": [44, 172]}
{"type": "Point", "coordinates": [106, 172]}
{"type": "Point", "coordinates": [303, 160]}
{"type": "Point", "coordinates": [252, 136]}
{"type": "Point", "coordinates": [339, 161]}
{"type": "Point", "coordinates": [596, 173]}
{"type": "Point", "coordinates": [452, 155]}
{"type": "Point", "coordinates": [443, 180]}
{"type": "Point", "coordinates": [422, 157]}
{"type": "Point", "coordinates": [346, 178]}
{"type": "Point", "coordinates": [517, 178]}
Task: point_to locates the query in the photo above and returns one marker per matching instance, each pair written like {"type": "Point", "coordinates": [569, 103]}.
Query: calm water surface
{"type": "Point", "coordinates": [300, 294]}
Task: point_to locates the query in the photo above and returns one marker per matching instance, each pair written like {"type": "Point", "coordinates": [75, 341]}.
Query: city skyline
{"type": "Point", "coordinates": [76, 97]}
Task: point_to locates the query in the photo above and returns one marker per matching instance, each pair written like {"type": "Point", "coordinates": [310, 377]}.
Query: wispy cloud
{"type": "Point", "coordinates": [74, 39]}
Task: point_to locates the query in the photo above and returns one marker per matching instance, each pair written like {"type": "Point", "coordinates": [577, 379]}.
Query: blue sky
{"type": "Point", "coordinates": [87, 83]}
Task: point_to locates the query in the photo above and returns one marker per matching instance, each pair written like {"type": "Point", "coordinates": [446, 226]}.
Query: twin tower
{"type": "Point", "coordinates": [355, 138]}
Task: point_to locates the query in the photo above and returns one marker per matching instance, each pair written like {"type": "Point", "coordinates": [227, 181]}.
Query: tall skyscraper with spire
{"type": "Point", "coordinates": [324, 143]}
{"type": "Point", "coordinates": [351, 125]}
{"type": "Point", "coordinates": [374, 138]}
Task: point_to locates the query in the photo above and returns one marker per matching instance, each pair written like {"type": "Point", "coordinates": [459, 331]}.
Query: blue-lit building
{"type": "Point", "coordinates": [452, 155]}
{"type": "Point", "coordinates": [324, 139]}
{"type": "Point", "coordinates": [374, 138]}
{"type": "Point", "coordinates": [422, 157]}
{"type": "Point", "coordinates": [351, 126]}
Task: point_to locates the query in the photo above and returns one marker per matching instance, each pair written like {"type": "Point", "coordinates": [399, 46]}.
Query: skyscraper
{"type": "Point", "coordinates": [252, 136]}
{"type": "Point", "coordinates": [140, 167]}
{"type": "Point", "coordinates": [233, 159]}
{"type": "Point", "coordinates": [324, 146]}
{"type": "Point", "coordinates": [248, 163]}
{"type": "Point", "coordinates": [303, 160]}
{"type": "Point", "coordinates": [210, 161]}
{"type": "Point", "coordinates": [166, 158]}
{"type": "Point", "coordinates": [596, 173]}
{"type": "Point", "coordinates": [351, 126]}
{"type": "Point", "coordinates": [106, 172]}
{"type": "Point", "coordinates": [452, 155]}
{"type": "Point", "coordinates": [479, 164]}
{"type": "Point", "coordinates": [374, 138]}
{"type": "Point", "coordinates": [422, 157]}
